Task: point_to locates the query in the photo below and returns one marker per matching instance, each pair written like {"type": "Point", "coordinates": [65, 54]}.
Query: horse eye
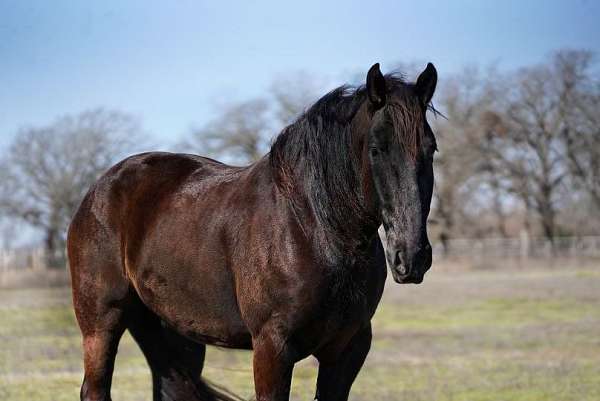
{"type": "Point", "coordinates": [431, 152]}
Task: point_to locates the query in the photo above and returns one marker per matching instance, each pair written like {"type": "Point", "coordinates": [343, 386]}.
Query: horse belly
{"type": "Point", "coordinates": [203, 311]}
{"type": "Point", "coordinates": [188, 284]}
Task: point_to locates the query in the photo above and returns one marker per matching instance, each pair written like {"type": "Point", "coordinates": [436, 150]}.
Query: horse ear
{"type": "Point", "coordinates": [426, 83]}
{"type": "Point", "coordinates": [376, 86]}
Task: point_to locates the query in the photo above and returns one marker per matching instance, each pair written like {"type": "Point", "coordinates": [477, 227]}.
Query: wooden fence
{"type": "Point", "coordinates": [473, 248]}
{"type": "Point", "coordinates": [22, 259]}
{"type": "Point", "coordinates": [522, 247]}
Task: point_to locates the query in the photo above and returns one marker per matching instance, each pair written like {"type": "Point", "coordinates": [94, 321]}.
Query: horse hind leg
{"type": "Point", "coordinates": [102, 322]}
{"type": "Point", "coordinates": [99, 350]}
{"type": "Point", "coordinates": [175, 361]}
{"type": "Point", "coordinates": [102, 298]}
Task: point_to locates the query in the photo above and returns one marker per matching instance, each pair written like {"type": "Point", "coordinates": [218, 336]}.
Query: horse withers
{"type": "Point", "coordinates": [281, 256]}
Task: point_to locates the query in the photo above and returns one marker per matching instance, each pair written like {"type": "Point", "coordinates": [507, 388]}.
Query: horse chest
{"type": "Point", "coordinates": [340, 311]}
{"type": "Point", "coordinates": [352, 299]}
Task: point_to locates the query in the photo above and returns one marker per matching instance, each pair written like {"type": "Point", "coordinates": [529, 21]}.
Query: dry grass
{"type": "Point", "coordinates": [524, 335]}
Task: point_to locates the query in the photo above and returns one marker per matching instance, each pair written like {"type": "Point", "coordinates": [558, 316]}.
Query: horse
{"type": "Point", "coordinates": [281, 257]}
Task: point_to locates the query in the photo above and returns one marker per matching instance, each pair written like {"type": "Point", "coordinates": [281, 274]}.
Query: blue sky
{"type": "Point", "coordinates": [171, 63]}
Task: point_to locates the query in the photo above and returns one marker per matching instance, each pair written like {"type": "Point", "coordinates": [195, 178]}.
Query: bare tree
{"type": "Point", "coordinates": [578, 97]}
{"type": "Point", "coordinates": [524, 141]}
{"type": "Point", "coordinates": [459, 163]}
{"type": "Point", "coordinates": [242, 132]}
{"type": "Point", "coordinates": [48, 170]}
{"type": "Point", "coordinates": [506, 139]}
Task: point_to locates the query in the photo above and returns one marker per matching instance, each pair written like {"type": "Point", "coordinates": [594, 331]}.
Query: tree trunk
{"type": "Point", "coordinates": [54, 249]}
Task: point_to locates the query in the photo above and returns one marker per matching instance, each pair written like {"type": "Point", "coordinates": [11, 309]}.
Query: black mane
{"type": "Point", "coordinates": [313, 158]}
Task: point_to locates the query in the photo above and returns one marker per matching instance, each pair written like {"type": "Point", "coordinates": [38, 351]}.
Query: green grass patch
{"type": "Point", "coordinates": [481, 313]}
{"type": "Point", "coordinates": [542, 344]}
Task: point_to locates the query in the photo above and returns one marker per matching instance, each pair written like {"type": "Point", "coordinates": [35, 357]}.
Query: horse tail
{"type": "Point", "coordinates": [220, 393]}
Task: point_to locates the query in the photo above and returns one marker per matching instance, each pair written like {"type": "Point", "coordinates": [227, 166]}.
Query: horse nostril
{"type": "Point", "coordinates": [398, 263]}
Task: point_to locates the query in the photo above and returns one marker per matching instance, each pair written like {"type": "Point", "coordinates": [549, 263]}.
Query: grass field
{"type": "Point", "coordinates": [493, 335]}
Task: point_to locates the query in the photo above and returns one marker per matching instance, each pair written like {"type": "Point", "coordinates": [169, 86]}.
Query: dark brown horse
{"type": "Point", "coordinates": [281, 256]}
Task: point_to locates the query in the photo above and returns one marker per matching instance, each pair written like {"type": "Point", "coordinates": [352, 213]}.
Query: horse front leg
{"type": "Point", "coordinates": [338, 371]}
{"type": "Point", "coordinates": [273, 366]}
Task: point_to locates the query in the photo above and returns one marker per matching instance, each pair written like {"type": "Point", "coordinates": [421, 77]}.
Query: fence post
{"type": "Point", "coordinates": [38, 259]}
{"type": "Point", "coordinates": [524, 244]}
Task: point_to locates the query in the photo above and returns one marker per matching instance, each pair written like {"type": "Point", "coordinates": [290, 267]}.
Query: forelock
{"type": "Point", "coordinates": [407, 115]}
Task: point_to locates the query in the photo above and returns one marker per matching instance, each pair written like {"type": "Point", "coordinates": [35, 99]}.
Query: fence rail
{"type": "Point", "coordinates": [523, 247]}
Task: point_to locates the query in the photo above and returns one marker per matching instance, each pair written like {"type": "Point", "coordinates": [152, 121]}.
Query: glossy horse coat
{"type": "Point", "coordinates": [281, 256]}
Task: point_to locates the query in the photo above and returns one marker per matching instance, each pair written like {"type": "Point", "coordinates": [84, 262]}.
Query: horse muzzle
{"type": "Point", "coordinates": [409, 270]}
